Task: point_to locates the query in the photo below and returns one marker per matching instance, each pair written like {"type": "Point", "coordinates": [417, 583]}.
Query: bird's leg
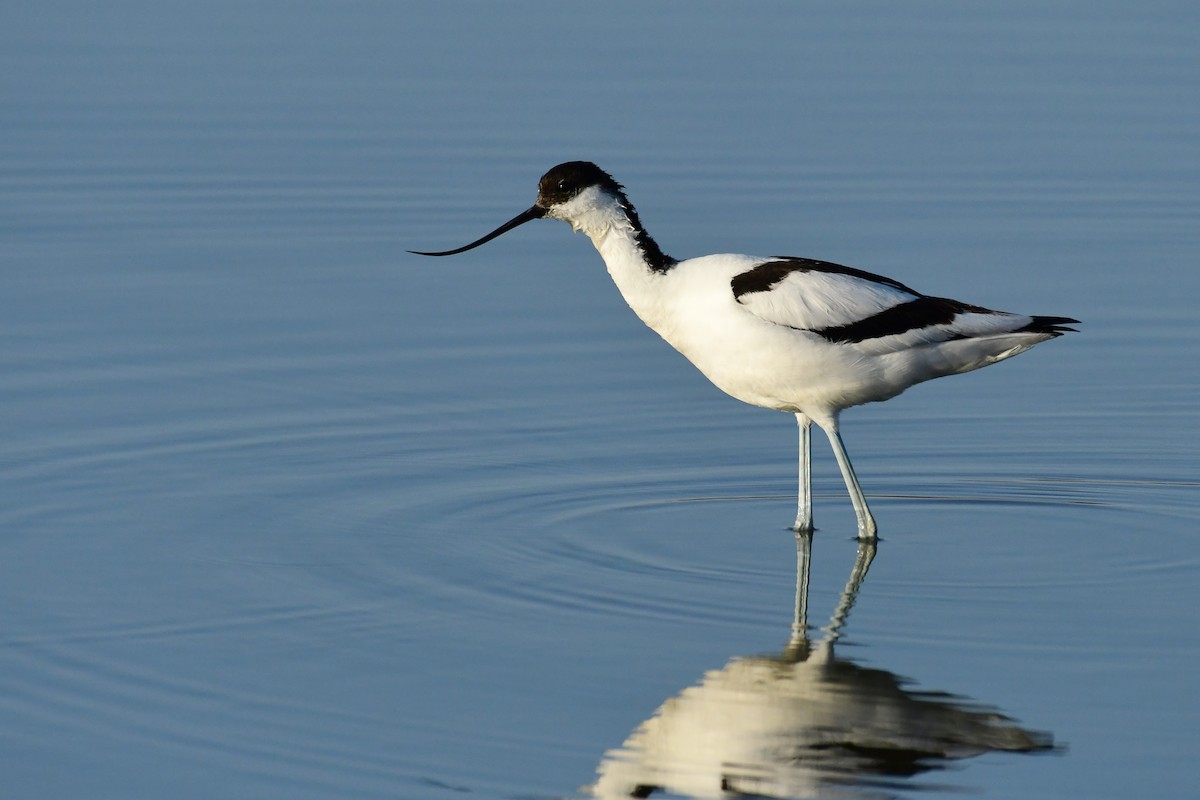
{"type": "Point", "coordinates": [866, 523]}
{"type": "Point", "coordinates": [804, 519]}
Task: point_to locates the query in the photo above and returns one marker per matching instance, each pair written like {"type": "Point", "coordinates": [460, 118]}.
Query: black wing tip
{"type": "Point", "coordinates": [1055, 326]}
{"type": "Point", "coordinates": [423, 253]}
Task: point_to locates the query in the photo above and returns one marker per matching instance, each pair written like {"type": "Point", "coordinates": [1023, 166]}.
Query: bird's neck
{"type": "Point", "coordinates": [634, 260]}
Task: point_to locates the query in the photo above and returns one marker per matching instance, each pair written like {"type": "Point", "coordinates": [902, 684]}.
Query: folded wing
{"type": "Point", "coordinates": [850, 306]}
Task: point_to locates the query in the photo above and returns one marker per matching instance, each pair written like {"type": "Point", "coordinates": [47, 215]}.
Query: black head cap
{"type": "Point", "coordinates": [566, 180]}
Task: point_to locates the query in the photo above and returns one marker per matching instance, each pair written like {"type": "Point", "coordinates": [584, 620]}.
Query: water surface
{"type": "Point", "coordinates": [286, 512]}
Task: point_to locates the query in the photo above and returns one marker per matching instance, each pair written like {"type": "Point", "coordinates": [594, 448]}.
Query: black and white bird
{"type": "Point", "coordinates": [792, 334]}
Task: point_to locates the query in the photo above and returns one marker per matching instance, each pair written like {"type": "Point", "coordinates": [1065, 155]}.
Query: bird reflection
{"type": "Point", "coordinates": [804, 723]}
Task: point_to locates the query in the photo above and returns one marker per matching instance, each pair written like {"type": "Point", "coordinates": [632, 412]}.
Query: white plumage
{"type": "Point", "coordinates": [792, 334]}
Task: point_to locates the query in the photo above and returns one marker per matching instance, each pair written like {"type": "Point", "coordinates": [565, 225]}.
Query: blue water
{"type": "Point", "coordinates": [287, 512]}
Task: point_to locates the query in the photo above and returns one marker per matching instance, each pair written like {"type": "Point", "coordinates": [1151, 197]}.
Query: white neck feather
{"type": "Point", "coordinates": [600, 215]}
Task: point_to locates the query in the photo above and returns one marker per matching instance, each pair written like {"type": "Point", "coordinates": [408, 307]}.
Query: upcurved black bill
{"type": "Point", "coordinates": [536, 212]}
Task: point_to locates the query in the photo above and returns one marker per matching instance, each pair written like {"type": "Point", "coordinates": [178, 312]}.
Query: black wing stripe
{"type": "Point", "coordinates": [765, 276]}
{"type": "Point", "coordinates": [923, 312]}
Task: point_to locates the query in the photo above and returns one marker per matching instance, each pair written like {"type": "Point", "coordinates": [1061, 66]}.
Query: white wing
{"type": "Point", "coordinates": [815, 295]}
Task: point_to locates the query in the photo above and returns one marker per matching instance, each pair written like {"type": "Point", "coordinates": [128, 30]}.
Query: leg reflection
{"type": "Point", "coordinates": [800, 646]}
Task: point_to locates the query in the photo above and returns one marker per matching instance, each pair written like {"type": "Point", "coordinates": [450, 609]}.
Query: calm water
{"type": "Point", "coordinates": [287, 512]}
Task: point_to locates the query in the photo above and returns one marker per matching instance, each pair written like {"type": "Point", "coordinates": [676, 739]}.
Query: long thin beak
{"type": "Point", "coordinates": [536, 212]}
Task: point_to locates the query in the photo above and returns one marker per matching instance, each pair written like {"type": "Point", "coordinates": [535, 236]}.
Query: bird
{"type": "Point", "coordinates": [797, 335]}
